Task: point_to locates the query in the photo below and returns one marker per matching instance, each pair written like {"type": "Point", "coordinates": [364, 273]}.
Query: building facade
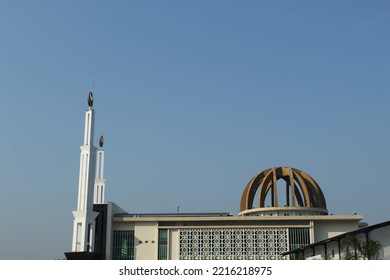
{"type": "Point", "coordinates": [256, 233]}
{"type": "Point", "coordinates": [281, 209]}
{"type": "Point", "coordinates": [218, 236]}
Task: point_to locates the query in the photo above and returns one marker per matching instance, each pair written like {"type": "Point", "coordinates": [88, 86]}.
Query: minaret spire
{"type": "Point", "coordinates": [98, 197]}
{"type": "Point", "coordinates": [84, 216]}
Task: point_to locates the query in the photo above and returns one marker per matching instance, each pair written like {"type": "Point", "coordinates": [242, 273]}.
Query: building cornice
{"type": "Point", "coordinates": [239, 218]}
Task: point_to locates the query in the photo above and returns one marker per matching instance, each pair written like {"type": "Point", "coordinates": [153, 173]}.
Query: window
{"type": "Point", "coordinates": [298, 237]}
{"type": "Point", "coordinates": [162, 244]}
{"type": "Point", "coordinates": [123, 245]}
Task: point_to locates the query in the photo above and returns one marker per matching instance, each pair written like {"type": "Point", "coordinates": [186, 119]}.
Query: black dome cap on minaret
{"type": "Point", "coordinates": [101, 141]}
{"type": "Point", "coordinates": [90, 99]}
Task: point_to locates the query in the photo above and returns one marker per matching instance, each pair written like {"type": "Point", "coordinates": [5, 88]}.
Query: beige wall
{"type": "Point", "coordinates": [146, 230]}
{"type": "Point", "coordinates": [146, 239]}
{"type": "Point", "coordinates": [327, 229]}
{"type": "Point", "coordinates": [174, 244]}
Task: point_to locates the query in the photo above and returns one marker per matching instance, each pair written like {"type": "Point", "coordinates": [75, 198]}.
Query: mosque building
{"type": "Point", "coordinates": [283, 215]}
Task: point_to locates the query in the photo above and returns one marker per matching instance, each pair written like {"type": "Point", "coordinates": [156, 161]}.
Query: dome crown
{"type": "Point", "coordinates": [301, 190]}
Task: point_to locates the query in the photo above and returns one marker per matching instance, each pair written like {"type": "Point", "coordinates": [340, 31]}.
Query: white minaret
{"type": "Point", "coordinates": [84, 216]}
{"type": "Point", "coordinates": [98, 194]}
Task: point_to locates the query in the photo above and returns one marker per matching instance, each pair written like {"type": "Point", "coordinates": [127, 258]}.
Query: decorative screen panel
{"type": "Point", "coordinates": [233, 244]}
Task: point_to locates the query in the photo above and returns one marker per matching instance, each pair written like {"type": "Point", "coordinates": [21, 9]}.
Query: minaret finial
{"type": "Point", "coordinates": [101, 141]}
{"type": "Point", "coordinates": [90, 99]}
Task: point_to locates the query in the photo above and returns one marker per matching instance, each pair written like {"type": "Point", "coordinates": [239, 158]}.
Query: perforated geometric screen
{"type": "Point", "coordinates": [233, 244]}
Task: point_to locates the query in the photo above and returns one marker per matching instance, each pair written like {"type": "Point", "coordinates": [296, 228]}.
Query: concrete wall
{"type": "Point", "coordinates": [327, 229]}
{"type": "Point", "coordinates": [146, 240]}
{"type": "Point", "coordinates": [146, 230]}
{"type": "Point", "coordinates": [174, 244]}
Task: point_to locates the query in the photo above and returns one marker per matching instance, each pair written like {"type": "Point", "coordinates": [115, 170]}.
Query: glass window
{"type": "Point", "coordinates": [162, 244]}
{"type": "Point", "coordinates": [123, 245]}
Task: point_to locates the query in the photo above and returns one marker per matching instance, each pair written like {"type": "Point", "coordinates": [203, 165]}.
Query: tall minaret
{"type": "Point", "coordinates": [84, 216]}
{"type": "Point", "coordinates": [98, 195]}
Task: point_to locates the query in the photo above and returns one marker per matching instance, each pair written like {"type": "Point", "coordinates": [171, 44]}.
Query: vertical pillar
{"type": "Point", "coordinates": [274, 189]}
{"type": "Point", "coordinates": [292, 186]}
{"type": "Point", "coordinates": [367, 242]}
{"type": "Point", "coordinates": [287, 194]}
{"type": "Point", "coordinates": [326, 251]}
{"type": "Point", "coordinates": [339, 247]}
{"type": "Point", "coordinates": [99, 189]}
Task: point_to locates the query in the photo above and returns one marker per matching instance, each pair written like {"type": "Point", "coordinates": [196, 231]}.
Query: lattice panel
{"type": "Point", "coordinates": [233, 244]}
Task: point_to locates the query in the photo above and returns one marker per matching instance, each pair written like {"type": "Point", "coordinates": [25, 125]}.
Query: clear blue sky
{"type": "Point", "coordinates": [193, 98]}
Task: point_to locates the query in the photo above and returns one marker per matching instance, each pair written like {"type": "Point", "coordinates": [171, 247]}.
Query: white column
{"type": "Point", "coordinates": [98, 197]}
{"type": "Point", "coordinates": [84, 216]}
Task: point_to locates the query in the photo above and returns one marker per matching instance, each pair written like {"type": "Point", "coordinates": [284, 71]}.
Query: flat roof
{"type": "Point", "coordinates": [127, 217]}
{"type": "Point", "coordinates": [211, 214]}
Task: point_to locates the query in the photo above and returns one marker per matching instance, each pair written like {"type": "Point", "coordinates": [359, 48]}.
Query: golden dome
{"type": "Point", "coordinates": [300, 190]}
